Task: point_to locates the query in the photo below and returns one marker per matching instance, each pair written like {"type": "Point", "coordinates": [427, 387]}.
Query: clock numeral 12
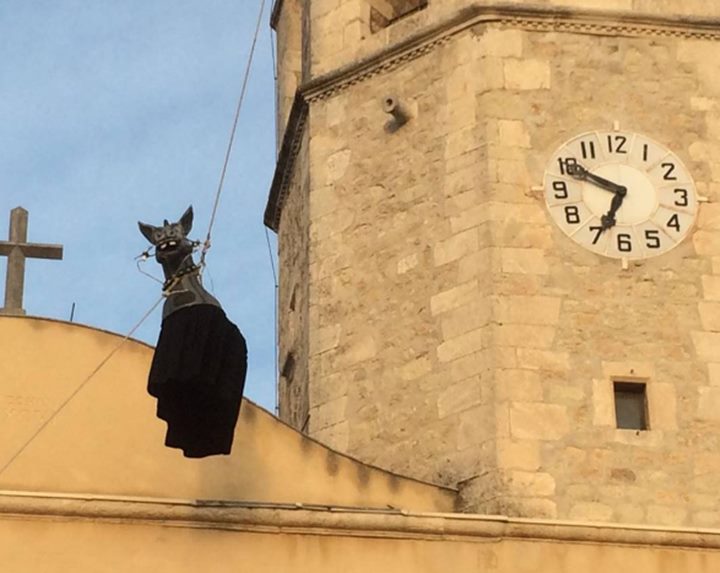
{"type": "Point", "coordinates": [616, 143]}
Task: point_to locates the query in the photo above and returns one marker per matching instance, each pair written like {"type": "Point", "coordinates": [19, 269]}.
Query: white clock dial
{"type": "Point", "coordinates": [620, 194]}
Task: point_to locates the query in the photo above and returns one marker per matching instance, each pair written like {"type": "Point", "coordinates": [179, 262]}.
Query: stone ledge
{"type": "Point", "coordinates": [340, 521]}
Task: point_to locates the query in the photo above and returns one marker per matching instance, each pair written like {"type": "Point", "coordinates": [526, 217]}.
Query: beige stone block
{"type": "Point", "coordinates": [700, 103]}
{"type": "Point", "coordinates": [462, 345]}
{"type": "Point", "coordinates": [710, 315]}
{"type": "Point", "coordinates": [537, 421]}
{"type": "Point", "coordinates": [324, 339]}
{"type": "Point", "coordinates": [337, 436]}
{"type": "Point", "coordinates": [518, 385]}
{"type": "Point", "coordinates": [323, 200]}
{"type": "Point", "coordinates": [328, 388]}
{"type": "Point", "coordinates": [456, 247]}
{"type": "Point", "coordinates": [512, 171]}
{"type": "Point", "coordinates": [500, 43]}
{"type": "Point", "coordinates": [469, 430]}
{"type": "Point", "coordinates": [455, 297]}
{"type": "Point", "coordinates": [470, 218]}
{"type": "Point", "coordinates": [460, 142]}
{"type": "Point", "coordinates": [527, 261]}
{"type": "Point", "coordinates": [337, 165]}
{"type": "Point", "coordinates": [666, 515]}
{"type": "Point", "coordinates": [464, 319]}
{"type": "Point", "coordinates": [336, 110]}
{"type": "Point", "coordinates": [591, 511]}
{"type": "Point", "coordinates": [638, 438]}
{"type": "Point", "coordinates": [709, 403]}
{"type": "Point", "coordinates": [523, 455]}
{"type": "Point", "coordinates": [458, 398]}
{"type": "Point", "coordinates": [408, 263]}
{"type": "Point", "coordinates": [711, 287]}
{"type": "Point", "coordinates": [549, 360]}
{"type": "Point", "coordinates": [474, 265]}
{"type": "Point", "coordinates": [534, 508]}
{"type": "Point", "coordinates": [416, 368]}
{"type": "Point", "coordinates": [632, 369]}
{"type": "Point", "coordinates": [502, 421]}
{"type": "Point", "coordinates": [467, 366]}
{"type": "Point", "coordinates": [706, 242]}
{"type": "Point", "coordinates": [531, 484]}
{"type": "Point", "coordinates": [527, 74]}
{"type": "Point", "coordinates": [629, 513]}
{"type": "Point", "coordinates": [519, 212]}
{"type": "Point", "coordinates": [523, 335]}
{"type": "Point", "coordinates": [707, 345]}
{"type": "Point", "coordinates": [714, 373]}
{"type": "Point", "coordinates": [662, 406]}
{"type": "Point", "coordinates": [513, 133]}
{"type": "Point", "coordinates": [603, 404]}
{"type": "Point", "coordinates": [705, 519]}
{"type": "Point", "coordinates": [543, 310]}
{"type": "Point", "coordinates": [328, 414]}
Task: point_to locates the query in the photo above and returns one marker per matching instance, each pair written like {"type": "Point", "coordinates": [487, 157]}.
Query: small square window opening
{"type": "Point", "coordinates": [630, 405]}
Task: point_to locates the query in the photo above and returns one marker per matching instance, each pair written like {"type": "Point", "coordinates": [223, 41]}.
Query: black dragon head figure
{"type": "Point", "coordinates": [173, 249]}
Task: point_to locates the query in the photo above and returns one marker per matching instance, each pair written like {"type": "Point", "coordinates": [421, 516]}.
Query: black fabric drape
{"type": "Point", "coordinates": [198, 375]}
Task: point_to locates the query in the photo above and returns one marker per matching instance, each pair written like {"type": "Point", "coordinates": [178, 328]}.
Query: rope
{"type": "Point", "coordinates": [88, 378]}
{"type": "Point", "coordinates": [206, 245]}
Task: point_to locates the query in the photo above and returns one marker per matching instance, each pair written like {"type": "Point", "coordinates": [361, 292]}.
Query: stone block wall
{"type": "Point", "coordinates": [453, 332]}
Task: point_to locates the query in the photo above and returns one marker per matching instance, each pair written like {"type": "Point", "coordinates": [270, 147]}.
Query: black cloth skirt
{"type": "Point", "coordinates": [198, 375]}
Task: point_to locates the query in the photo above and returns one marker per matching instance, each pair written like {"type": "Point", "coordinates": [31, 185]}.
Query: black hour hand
{"type": "Point", "coordinates": [579, 172]}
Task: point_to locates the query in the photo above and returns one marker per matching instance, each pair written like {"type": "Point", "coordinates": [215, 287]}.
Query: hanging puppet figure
{"type": "Point", "coordinates": [198, 370]}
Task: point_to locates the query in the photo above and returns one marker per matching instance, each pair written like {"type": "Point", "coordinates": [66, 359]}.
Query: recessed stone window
{"type": "Point", "coordinates": [630, 405]}
{"type": "Point", "coordinates": [385, 12]}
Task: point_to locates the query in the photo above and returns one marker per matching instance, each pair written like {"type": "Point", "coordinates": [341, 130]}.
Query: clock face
{"type": "Point", "coordinates": [620, 194]}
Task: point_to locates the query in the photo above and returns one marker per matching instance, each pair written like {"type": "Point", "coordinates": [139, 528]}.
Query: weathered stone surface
{"type": "Point", "coordinates": [474, 336]}
{"type": "Point", "coordinates": [535, 421]}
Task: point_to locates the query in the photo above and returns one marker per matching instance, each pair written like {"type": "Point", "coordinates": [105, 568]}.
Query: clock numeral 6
{"type": "Point", "coordinates": [652, 239]}
{"type": "Point", "coordinates": [561, 190]}
{"type": "Point", "coordinates": [624, 243]}
{"type": "Point", "coordinates": [572, 214]}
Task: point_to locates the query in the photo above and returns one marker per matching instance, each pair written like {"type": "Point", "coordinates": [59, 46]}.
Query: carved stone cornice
{"type": "Point", "coordinates": [530, 18]}
{"type": "Point", "coordinates": [285, 166]}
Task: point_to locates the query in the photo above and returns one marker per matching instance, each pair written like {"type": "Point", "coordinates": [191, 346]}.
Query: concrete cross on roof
{"type": "Point", "coordinates": [17, 249]}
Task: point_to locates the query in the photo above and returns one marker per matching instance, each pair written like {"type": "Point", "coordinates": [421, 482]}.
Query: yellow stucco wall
{"type": "Point", "coordinates": [107, 439]}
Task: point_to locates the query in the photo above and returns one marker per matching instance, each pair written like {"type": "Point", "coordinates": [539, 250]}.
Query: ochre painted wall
{"type": "Point", "coordinates": [107, 439]}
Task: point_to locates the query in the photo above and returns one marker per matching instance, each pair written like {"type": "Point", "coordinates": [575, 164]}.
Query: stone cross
{"type": "Point", "coordinates": [16, 249]}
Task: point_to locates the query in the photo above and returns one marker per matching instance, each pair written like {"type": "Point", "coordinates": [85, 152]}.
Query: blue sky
{"type": "Point", "coordinates": [113, 112]}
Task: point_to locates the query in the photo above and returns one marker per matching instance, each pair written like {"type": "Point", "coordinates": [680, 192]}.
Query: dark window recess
{"type": "Point", "coordinates": [288, 368]}
{"type": "Point", "coordinates": [630, 405]}
{"type": "Point", "coordinates": [385, 12]}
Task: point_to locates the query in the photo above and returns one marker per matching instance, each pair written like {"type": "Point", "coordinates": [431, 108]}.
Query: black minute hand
{"type": "Point", "coordinates": [582, 174]}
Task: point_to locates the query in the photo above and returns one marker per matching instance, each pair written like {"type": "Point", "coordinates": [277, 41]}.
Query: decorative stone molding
{"type": "Point", "coordinates": [340, 521]}
{"type": "Point", "coordinates": [529, 18]}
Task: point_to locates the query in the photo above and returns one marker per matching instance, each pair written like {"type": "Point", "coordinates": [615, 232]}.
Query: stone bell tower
{"type": "Point", "coordinates": [436, 318]}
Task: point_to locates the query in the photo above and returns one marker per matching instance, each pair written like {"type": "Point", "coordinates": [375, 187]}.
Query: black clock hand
{"type": "Point", "coordinates": [608, 219]}
{"type": "Point", "coordinates": [582, 174]}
